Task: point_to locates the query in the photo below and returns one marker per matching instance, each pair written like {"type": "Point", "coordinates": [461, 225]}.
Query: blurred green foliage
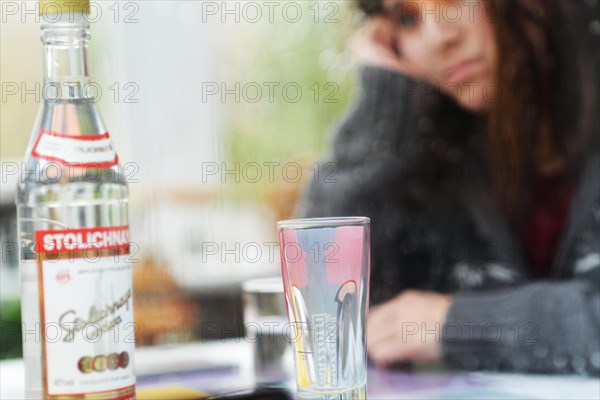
{"type": "Point", "coordinates": [10, 330]}
{"type": "Point", "coordinates": [292, 126]}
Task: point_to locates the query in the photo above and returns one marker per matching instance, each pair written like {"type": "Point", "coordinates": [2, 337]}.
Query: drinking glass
{"type": "Point", "coordinates": [325, 268]}
{"type": "Point", "coordinates": [265, 321]}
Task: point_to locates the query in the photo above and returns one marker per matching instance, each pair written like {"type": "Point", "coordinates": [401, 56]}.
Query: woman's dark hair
{"type": "Point", "coordinates": [542, 116]}
{"type": "Point", "coordinates": [371, 7]}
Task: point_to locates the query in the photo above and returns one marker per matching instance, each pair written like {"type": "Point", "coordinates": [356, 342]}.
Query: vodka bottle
{"type": "Point", "coordinates": [77, 311]}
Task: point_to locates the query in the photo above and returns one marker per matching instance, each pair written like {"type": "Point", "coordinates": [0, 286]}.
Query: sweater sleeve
{"type": "Point", "coordinates": [539, 327]}
{"type": "Point", "coordinates": [375, 134]}
{"type": "Point", "coordinates": [373, 170]}
{"type": "Point", "coordinates": [544, 326]}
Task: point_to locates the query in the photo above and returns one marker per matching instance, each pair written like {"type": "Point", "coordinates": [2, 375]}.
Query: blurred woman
{"type": "Point", "coordinates": [473, 148]}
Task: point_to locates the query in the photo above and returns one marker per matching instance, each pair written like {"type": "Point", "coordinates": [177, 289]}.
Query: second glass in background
{"type": "Point", "coordinates": [265, 323]}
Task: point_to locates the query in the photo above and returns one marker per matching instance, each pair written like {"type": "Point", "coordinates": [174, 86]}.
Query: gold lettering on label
{"type": "Point", "coordinates": [71, 323]}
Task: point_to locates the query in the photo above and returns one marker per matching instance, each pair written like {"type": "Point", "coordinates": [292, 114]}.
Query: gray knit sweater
{"type": "Point", "coordinates": [423, 180]}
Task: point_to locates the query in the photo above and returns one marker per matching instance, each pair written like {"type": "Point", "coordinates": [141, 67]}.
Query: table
{"type": "Point", "coordinates": [224, 365]}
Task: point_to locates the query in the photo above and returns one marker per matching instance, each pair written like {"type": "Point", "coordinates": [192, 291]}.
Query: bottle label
{"type": "Point", "coordinates": [95, 151]}
{"type": "Point", "coordinates": [86, 304]}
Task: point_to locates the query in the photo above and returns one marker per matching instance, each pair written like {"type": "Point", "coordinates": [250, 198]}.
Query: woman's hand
{"type": "Point", "coordinates": [407, 328]}
{"type": "Point", "coordinates": [375, 44]}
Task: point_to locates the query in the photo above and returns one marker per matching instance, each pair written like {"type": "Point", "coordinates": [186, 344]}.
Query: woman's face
{"type": "Point", "coordinates": [451, 44]}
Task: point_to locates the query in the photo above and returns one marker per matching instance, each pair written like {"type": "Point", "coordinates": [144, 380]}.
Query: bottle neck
{"type": "Point", "coordinates": [66, 74]}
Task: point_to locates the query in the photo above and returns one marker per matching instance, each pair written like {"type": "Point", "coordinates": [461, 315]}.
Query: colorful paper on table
{"type": "Point", "coordinates": [169, 393]}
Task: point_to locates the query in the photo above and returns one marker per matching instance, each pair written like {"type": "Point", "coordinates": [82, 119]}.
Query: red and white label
{"type": "Point", "coordinates": [87, 312]}
{"type": "Point", "coordinates": [82, 151]}
{"type": "Point", "coordinates": [55, 242]}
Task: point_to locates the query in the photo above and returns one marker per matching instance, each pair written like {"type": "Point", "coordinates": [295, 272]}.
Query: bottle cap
{"type": "Point", "coordinates": [63, 6]}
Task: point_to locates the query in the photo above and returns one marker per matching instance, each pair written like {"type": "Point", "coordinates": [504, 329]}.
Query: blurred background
{"type": "Point", "coordinates": [219, 112]}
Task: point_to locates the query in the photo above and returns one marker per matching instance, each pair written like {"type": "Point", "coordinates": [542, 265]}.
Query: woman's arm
{"type": "Point", "coordinates": [377, 169]}
{"type": "Point", "coordinates": [546, 326]}
{"type": "Point", "coordinates": [539, 327]}
{"type": "Point", "coordinates": [378, 129]}
{"type": "Point", "coordinates": [375, 139]}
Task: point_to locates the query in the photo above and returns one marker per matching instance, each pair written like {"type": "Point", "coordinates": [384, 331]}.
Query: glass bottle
{"type": "Point", "coordinates": [72, 211]}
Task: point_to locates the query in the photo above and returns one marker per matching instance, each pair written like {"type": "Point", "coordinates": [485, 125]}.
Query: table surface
{"type": "Point", "coordinates": [222, 366]}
